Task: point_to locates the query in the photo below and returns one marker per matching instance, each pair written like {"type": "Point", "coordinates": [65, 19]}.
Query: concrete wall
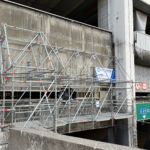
{"type": "Point", "coordinates": [83, 126]}
{"type": "Point", "coordinates": [24, 138]}
{"type": "Point", "coordinates": [65, 33]}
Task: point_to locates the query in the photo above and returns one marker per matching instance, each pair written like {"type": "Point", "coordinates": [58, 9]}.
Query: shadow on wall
{"type": "Point", "coordinates": [143, 135]}
{"type": "Point", "coordinates": [96, 135]}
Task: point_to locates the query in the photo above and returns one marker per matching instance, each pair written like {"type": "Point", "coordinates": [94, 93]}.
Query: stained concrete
{"type": "Point", "coordinates": [34, 139]}
{"type": "Point", "coordinates": [83, 126]}
{"type": "Point", "coordinates": [3, 143]}
{"type": "Point", "coordinates": [64, 32]}
{"type": "Point", "coordinates": [120, 19]}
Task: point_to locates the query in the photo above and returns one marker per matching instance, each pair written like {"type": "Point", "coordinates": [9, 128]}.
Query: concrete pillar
{"type": "Point", "coordinates": [120, 20]}
{"type": "Point", "coordinates": [122, 133]}
{"type": "Point", "coordinates": [112, 135]}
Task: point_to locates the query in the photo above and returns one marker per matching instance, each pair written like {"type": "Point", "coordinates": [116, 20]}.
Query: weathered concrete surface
{"type": "Point", "coordinates": [1, 136]}
{"type": "Point", "coordinates": [65, 33]}
{"type": "Point", "coordinates": [34, 139]}
{"type": "Point", "coordinates": [120, 19]}
{"type": "Point", "coordinates": [83, 126]}
{"type": "Point", "coordinates": [2, 141]}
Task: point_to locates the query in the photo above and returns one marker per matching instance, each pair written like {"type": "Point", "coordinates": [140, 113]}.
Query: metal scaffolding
{"type": "Point", "coordinates": [67, 74]}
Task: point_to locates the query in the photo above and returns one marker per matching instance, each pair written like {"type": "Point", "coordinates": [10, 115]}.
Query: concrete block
{"type": "Point", "coordinates": [36, 139]}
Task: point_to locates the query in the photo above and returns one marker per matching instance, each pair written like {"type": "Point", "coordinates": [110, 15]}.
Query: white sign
{"type": "Point", "coordinates": [97, 103]}
{"type": "Point", "coordinates": [104, 73]}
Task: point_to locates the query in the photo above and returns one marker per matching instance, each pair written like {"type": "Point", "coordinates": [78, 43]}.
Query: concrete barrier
{"type": "Point", "coordinates": [36, 139]}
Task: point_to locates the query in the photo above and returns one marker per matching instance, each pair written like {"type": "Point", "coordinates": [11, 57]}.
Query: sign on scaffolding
{"type": "Point", "coordinates": [143, 111]}
{"type": "Point", "coordinates": [105, 74]}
